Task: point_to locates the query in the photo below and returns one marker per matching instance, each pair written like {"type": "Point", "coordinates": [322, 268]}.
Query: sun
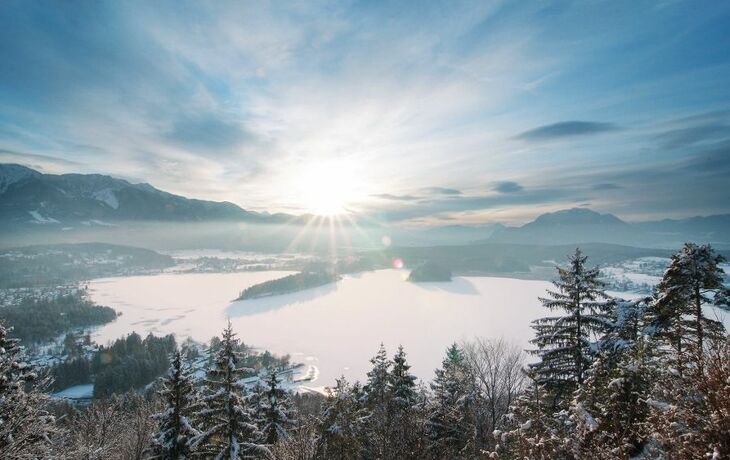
{"type": "Point", "coordinates": [328, 188]}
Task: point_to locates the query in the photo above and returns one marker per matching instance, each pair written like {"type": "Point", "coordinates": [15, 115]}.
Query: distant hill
{"type": "Point", "coordinates": [580, 225]}
{"type": "Point", "coordinates": [708, 229]}
{"type": "Point", "coordinates": [59, 264]}
{"type": "Point", "coordinates": [429, 272]}
{"type": "Point", "coordinates": [572, 226]}
{"type": "Point", "coordinates": [30, 197]}
{"type": "Point", "coordinates": [523, 260]}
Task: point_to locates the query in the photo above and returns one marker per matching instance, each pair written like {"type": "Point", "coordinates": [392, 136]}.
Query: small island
{"type": "Point", "coordinates": [429, 272]}
{"type": "Point", "coordinates": [288, 284]}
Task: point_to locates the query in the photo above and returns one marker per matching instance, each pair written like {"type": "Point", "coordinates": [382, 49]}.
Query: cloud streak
{"type": "Point", "coordinates": [228, 101]}
{"type": "Point", "coordinates": [566, 129]}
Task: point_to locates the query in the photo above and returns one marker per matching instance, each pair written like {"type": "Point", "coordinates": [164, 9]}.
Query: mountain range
{"type": "Point", "coordinates": [581, 225]}
{"type": "Point", "coordinates": [30, 199]}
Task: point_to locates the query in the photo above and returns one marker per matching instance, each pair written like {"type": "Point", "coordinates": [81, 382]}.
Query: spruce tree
{"type": "Point", "coordinates": [451, 421]}
{"type": "Point", "coordinates": [176, 432]}
{"type": "Point", "coordinates": [25, 426]}
{"type": "Point", "coordinates": [566, 343]}
{"type": "Point", "coordinates": [693, 280]}
{"type": "Point", "coordinates": [341, 426]}
{"type": "Point", "coordinates": [531, 429]}
{"type": "Point", "coordinates": [275, 410]}
{"type": "Point", "coordinates": [401, 382]}
{"type": "Point", "coordinates": [377, 401]}
{"type": "Point", "coordinates": [403, 399]}
{"type": "Point", "coordinates": [377, 387]}
{"type": "Point", "coordinates": [227, 420]}
{"type": "Point", "coordinates": [610, 409]}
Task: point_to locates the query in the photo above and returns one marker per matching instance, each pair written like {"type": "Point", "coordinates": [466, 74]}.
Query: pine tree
{"type": "Point", "coordinates": [376, 401]}
{"type": "Point", "coordinates": [690, 415]}
{"type": "Point", "coordinates": [531, 429]}
{"type": "Point", "coordinates": [227, 420]}
{"type": "Point", "coordinates": [377, 386]}
{"type": "Point", "coordinates": [176, 432]}
{"type": "Point", "coordinates": [341, 425]}
{"type": "Point", "coordinates": [610, 409]}
{"type": "Point", "coordinates": [25, 426]}
{"type": "Point", "coordinates": [275, 410]}
{"type": "Point", "coordinates": [451, 421]}
{"type": "Point", "coordinates": [565, 344]}
{"type": "Point", "coordinates": [401, 382]}
{"type": "Point", "coordinates": [693, 279]}
{"type": "Point", "coordinates": [403, 399]}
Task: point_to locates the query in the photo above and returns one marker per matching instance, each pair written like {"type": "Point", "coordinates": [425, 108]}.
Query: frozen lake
{"type": "Point", "coordinates": [338, 327]}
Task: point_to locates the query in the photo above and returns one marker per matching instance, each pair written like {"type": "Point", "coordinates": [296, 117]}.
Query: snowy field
{"type": "Point", "coordinates": [335, 329]}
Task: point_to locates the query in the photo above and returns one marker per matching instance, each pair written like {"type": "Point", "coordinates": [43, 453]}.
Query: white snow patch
{"type": "Point", "coordinates": [659, 404]}
{"type": "Point", "coordinates": [616, 383]}
{"type": "Point", "coordinates": [586, 417]}
{"type": "Point", "coordinates": [77, 392]}
{"type": "Point", "coordinates": [102, 223]}
{"type": "Point", "coordinates": [107, 196]}
{"type": "Point", "coordinates": [41, 219]}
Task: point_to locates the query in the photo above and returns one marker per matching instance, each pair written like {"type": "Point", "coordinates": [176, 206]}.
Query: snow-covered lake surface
{"type": "Point", "coordinates": [337, 327]}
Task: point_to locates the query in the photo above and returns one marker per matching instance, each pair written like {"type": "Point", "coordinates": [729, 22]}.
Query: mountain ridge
{"type": "Point", "coordinates": [31, 197]}
{"type": "Point", "coordinates": [582, 225]}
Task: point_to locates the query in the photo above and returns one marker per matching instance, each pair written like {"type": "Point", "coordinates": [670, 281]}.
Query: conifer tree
{"type": "Point", "coordinates": [565, 344]}
{"type": "Point", "coordinates": [692, 280]}
{"type": "Point", "coordinates": [377, 402]}
{"type": "Point", "coordinates": [227, 420]}
{"type": "Point", "coordinates": [610, 409]}
{"type": "Point", "coordinates": [531, 428]}
{"type": "Point", "coordinates": [25, 426]}
{"type": "Point", "coordinates": [341, 427]}
{"type": "Point", "coordinates": [377, 386]}
{"type": "Point", "coordinates": [176, 432]}
{"type": "Point", "coordinates": [402, 383]}
{"type": "Point", "coordinates": [275, 410]}
{"type": "Point", "coordinates": [403, 399]}
{"type": "Point", "coordinates": [690, 415]}
{"type": "Point", "coordinates": [451, 421]}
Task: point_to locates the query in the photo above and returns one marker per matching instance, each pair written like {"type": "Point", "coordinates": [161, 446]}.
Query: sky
{"type": "Point", "coordinates": [421, 113]}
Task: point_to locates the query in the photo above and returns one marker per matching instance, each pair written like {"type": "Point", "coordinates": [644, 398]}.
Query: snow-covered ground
{"type": "Point", "coordinates": [333, 329]}
{"type": "Point", "coordinates": [217, 253]}
{"type": "Point", "coordinates": [76, 392]}
{"type": "Point", "coordinates": [637, 275]}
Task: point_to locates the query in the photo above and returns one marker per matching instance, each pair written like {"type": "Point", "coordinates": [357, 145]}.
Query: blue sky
{"type": "Point", "coordinates": [427, 113]}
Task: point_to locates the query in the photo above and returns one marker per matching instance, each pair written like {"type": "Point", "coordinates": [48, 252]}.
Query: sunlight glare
{"type": "Point", "coordinates": [328, 188]}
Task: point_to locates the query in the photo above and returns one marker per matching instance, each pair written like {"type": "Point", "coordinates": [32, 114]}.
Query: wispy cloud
{"type": "Point", "coordinates": [566, 129]}
{"type": "Point", "coordinates": [441, 191]}
{"type": "Point", "coordinates": [232, 101]}
{"type": "Point", "coordinates": [508, 187]}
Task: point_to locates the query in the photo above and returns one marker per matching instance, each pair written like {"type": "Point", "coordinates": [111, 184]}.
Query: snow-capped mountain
{"type": "Point", "coordinates": [30, 197]}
